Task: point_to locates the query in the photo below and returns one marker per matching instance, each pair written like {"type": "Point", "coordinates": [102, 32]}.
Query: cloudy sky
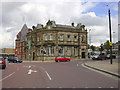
{"type": "Point", "coordinates": [94, 14]}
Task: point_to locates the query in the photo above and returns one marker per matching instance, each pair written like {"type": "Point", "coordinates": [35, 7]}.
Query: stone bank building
{"type": "Point", "coordinates": [52, 40]}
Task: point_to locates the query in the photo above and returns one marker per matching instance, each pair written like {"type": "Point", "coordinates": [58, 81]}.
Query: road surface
{"type": "Point", "coordinates": [54, 75]}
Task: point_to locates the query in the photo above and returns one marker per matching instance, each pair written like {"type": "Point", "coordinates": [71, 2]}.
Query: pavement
{"type": "Point", "coordinates": [106, 67]}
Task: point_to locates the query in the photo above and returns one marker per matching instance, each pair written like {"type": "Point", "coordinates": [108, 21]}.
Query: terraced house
{"type": "Point", "coordinates": [47, 42]}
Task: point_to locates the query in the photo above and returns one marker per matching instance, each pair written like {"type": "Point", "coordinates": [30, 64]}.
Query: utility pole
{"type": "Point", "coordinates": [90, 43]}
{"type": "Point", "coordinates": [110, 36]}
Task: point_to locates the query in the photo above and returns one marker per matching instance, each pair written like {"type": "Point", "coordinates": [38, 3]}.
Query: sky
{"type": "Point", "coordinates": [93, 14]}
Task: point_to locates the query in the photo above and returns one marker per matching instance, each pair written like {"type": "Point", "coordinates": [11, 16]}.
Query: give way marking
{"type": "Point", "coordinates": [30, 71]}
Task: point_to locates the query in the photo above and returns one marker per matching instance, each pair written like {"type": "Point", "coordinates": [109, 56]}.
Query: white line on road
{"type": "Point", "coordinates": [77, 65]}
{"type": "Point", "coordinates": [7, 76]}
{"type": "Point", "coordinates": [111, 87]}
{"type": "Point", "coordinates": [48, 75]}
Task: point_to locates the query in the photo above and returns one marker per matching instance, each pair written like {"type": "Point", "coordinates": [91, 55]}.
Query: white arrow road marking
{"type": "Point", "coordinates": [30, 71]}
{"type": "Point", "coordinates": [29, 67]}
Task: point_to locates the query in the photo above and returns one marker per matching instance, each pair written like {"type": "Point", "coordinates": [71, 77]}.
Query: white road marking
{"type": "Point", "coordinates": [29, 67]}
{"type": "Point", "coordinates": [59, 87]}
{"type": "Point", "coordinates": [7, 76]}
{"type": "Point", "coordinates": [47, 87]}
{"type": "Point", "coordinates": [111, 87]}
{"type": "Point", "coordinates": [30, 71]}
{"type": "Point", "coordinates": [77, 65]}
{"type": "Point", "coordinates": [48, 75]}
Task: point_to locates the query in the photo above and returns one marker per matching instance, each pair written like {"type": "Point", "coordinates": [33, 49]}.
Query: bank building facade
{"type": "Point", "coordinates": [52, 40]}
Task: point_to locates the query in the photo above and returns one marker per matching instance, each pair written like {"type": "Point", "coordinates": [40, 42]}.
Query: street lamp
{"type": "Point", "coordinates": [113, 37]}
{"type": "Point", "coordinates": [89, 43]}
{"type": "Point", "coordinates": [110, 36]}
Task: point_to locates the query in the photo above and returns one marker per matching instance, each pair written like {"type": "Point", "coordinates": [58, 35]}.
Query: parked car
{"type": "Point", "coordinates": [2, 63]}
{"type": "Point", "coordinates": [14, 60]}
{"type": "Point", "coordinates": [113, 56]}
{"type": "Point", "coordinates": [61, 59]}
{"type": "Point", "coordinates": [99, 57]}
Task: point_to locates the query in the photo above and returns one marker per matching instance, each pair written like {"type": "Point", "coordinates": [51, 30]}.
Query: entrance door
{"type": "Point", "coordinates": [33, 55]}
{"type": "Point", "coordinates": [83, 54]}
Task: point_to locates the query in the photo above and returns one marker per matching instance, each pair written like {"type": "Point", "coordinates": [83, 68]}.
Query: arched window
{"type": "Point", "coordinates": [51, 37]}
{"type": "Point", "coordinates": [46, 37]}
{"type": "Point", "coordinates": [61, 37]}
{"type": "Point", "coordinates": [83, 38]}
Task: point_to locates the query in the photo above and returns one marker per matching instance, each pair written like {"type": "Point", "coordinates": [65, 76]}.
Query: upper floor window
{"type": "Point", "coordinates": [38, 38]}
{"type": "Point", "coordinates": [68, 38]}
{"type": "Point", "coordinates": [83, 38]}
{"type": "Point", "coordinates": [51, 37]}
{"type": "Point", "coordinates": [75, 38]}
{"type": "Point", "coordinates": [49, 27]}
{"type": "Point", "coordinates": [61, 37]}
{"type": "Point", "coordinates": [46, 37]}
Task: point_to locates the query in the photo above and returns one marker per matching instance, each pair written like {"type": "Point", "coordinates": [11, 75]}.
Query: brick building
{"type": "Point", "coordinates": [21, 42]}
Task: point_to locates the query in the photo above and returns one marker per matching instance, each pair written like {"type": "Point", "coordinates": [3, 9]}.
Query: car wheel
{"type": "Point", "coordinates": [3, 67]}
{"type": "Point", "coordinates": [58, 60]}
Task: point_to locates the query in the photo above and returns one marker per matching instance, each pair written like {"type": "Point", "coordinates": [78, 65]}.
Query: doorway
{"type": "Point", "coordinates": [83, 54]}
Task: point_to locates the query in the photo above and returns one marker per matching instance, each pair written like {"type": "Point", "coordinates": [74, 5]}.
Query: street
{"type": "Point", "coordinates": [54, 75]}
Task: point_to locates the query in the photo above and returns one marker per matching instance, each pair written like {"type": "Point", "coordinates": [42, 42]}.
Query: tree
{"type": "Point", "coordinates": [106, 46]}
{"type": "Point", "coordinates": [92, 47]}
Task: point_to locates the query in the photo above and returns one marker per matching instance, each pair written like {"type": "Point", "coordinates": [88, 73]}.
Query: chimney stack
{"type": "Point", "coordinates": [73, 24]}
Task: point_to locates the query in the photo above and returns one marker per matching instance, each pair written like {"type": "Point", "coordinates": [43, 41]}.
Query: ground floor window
{"type": "Point", "coordinates": [51, 51]}
{"type": "Point", "coordinates": [68, 51]}
{"type": "Point", "coordinates": [38, 51]}
{"type": "Point", "coordinates": [75, 51]}
{"type": "Point", "coordinates": [61, 51]}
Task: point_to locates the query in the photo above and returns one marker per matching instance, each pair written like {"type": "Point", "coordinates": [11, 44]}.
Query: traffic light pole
{"type": "Point", "coordinates": [110, 36]}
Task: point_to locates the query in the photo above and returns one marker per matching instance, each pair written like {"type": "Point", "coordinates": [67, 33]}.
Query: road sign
{"type": "Point", "coordinates": [110, 43]}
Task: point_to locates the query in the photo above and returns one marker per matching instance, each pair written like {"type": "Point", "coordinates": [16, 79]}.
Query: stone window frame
{"type": "Point", "coordinates": [61, 37]}
{"type": "Point", "coordinates": [46, 37]}
{"type": "Point", "coordinates": [75, 51]}
{"type": "Point", "coordinates": [75, 39]}
{"type": "Point", "coordinates": [51, 36]}
{"type": "Point", "coordinates": [69, 38]}
{"type": "Point", "coordinates": [69, 51]}
{"type": "Point", "coordinates": [51, 51]}
{"type": "Point", "coordinates": [61, 51]}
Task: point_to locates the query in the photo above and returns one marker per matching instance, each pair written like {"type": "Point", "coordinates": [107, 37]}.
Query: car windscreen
{"type": "Point", "coordinates": [1, 58]}
{"type": "Point", "coordinates": [60, 57]}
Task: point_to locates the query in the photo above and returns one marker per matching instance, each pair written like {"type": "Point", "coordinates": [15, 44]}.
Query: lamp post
{"type": "Point", "coordinates": [89, 43]}
{"type": "Point", "coordinates": [110, 36]}
{"type": "Point", "coordinates": [113, 37]}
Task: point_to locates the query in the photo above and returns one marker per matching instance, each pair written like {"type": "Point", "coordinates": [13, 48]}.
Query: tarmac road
{"type": "Point", "coordinates": [54, 75]}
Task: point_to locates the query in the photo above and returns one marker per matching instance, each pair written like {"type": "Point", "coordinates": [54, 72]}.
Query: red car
{"type": "Point", "coordinates": [61, 59]}
{"type": "Point", "coordinates": [2, 63]}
